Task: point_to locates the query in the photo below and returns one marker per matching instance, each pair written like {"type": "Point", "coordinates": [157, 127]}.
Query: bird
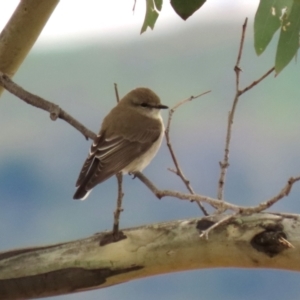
{"type": "Point", "coordinates": [129, 138]}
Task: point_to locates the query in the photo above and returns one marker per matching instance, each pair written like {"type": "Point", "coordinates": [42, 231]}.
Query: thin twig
{"type": "Point", "coordinates": [117, 92]}
{"type": "Point", "coordinates": [205, 233]}
{"type": "Point", "coordinates": [54, 110]}
{"type": "Point", "coordinates": [178, 170]}
{"type": "Point", "coordinates": [286, 243]}
{"type": "Point", "coordinates": [221, 205]}
{"type": "Point", "coordinates": [283, 193]}
{"type": "Point", "coordinates": [119, 208]}
{"type": "Point", "coordinates": [255, 82]}
{"type": "Point", "coordinates": [225, 163]}
{"type": "Point", "coordinates": [134, 4]}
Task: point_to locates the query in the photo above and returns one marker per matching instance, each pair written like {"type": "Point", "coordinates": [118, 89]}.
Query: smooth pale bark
{"type": "Point", "coordinates": [21, 32]}
{"type": "Point", "coordinates": [244, 242]}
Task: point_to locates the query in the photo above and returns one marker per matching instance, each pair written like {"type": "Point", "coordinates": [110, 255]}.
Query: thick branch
{"type": "Point", "coordinates": [260, 240]}
{"type": "Point", "coordinates": [21, 32]}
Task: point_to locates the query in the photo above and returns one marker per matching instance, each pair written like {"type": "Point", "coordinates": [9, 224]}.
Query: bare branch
{"type": "Point", "coordinates": [54, 110]}
{"type": "Point", "coordinates": [178, 170]}
{"type": "Point", "coordinates": [225, 163]}
{"type": "Point", "coordinates": [116, 92]}
{"type": "Point", "coordinates": [21, 32]}
{"type": "Point", "coordinates": [221, 205]}
{"type": "Point", "coordinates": [254, 83]}
{"type": "Point", "coordinates": [283, 193]}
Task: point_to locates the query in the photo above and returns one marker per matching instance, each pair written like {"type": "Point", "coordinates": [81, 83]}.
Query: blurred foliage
{"type": "Point", "coordinates": [270, 16]}
{"type": "Point", "coordinates": [152, 8]}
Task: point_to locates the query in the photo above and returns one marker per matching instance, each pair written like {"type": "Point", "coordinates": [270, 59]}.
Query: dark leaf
{"type": "Point", "coordinates": [158, 4]}
{"type": "Point", "coordinates": [185, 8]}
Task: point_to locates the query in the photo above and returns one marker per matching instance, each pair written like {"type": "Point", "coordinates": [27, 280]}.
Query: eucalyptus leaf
{"type": "Point", "coordinates": [289, 38]}
{"type": "Point", "coordinates": [185, 8]}
{"type": "Point", "coordinates": [158, 4]}
{"type": "Point", "coordinates": [268, 20]}
{"type": "Point", "coordinates": [151, 14]}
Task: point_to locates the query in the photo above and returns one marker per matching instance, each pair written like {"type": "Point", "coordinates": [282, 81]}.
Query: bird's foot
{"type": "Point", "coordinates": [112, 237]}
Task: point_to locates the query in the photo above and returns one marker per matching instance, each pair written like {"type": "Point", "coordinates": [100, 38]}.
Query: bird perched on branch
{"type": "Point", "coordinates": [129, 138]}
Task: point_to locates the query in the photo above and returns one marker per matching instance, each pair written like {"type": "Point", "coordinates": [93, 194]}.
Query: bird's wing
{"type": "Point", "coordinates": [109, 155]}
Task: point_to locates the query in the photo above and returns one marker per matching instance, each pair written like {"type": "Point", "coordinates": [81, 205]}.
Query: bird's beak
{"type": "Point", "coordinates": [161, 106]}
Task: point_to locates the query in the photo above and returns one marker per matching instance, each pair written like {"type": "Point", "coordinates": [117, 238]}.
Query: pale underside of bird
{"type": "Point", "coordinates": [129, 138]}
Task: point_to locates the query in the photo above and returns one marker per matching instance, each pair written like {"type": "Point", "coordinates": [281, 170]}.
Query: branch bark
{"type": "Point", "coordinates": [22, 31]}
{"type": "Point", "coordinates": [256, 241]}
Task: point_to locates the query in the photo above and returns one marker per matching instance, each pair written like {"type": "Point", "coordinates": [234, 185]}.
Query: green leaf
{"type": "Point", "coordinates": [185, 8]}
{"type": "Point", "coordinates": [158, 4]}
{"type": "Point", "coordinates": [151, 14]}
{"type": "Point", "coordinates": [268, 19]}
{"type": "Point", "coordinates": [289, 38]}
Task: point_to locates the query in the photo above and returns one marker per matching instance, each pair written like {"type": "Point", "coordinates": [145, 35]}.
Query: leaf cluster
{"type": "Point", "coordinates": [271, 16]}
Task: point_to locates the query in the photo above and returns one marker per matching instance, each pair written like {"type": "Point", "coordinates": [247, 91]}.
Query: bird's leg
{"type": "Point", "coordinates": [119, 208]}
{"type": "Point", "coordinates": [116, 235]}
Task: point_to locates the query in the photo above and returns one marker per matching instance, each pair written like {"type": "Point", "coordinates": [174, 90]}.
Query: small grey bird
{"type": "Point", "coordinates": [129, 138]}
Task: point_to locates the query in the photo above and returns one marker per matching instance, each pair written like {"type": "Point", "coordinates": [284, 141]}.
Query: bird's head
{"type": "Point", "coordinates": [144, 101]}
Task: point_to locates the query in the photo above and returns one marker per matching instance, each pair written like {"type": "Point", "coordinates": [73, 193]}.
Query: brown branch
{"type": "Point", "coordinates": [221, 205]}
{"type": "Point", "coordinates": [255, 82]}
{"type": "Point", "coordinates": [117, 92]}
{"type": "Point", "coordinates": [283, 193]}
{"type": "Point", "coordinates": [54, 110]}
{"type": "Point", "coordinates": [178, 170]}
{"type": "Point", "coordinates": [225, 163]}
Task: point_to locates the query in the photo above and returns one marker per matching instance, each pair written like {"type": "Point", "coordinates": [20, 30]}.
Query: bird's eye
{"type": "Point", "coordinates": [144, 104]}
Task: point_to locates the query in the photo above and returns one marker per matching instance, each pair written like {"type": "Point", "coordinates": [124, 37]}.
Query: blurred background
{"type": "Point", "coordinates": [82, 52]}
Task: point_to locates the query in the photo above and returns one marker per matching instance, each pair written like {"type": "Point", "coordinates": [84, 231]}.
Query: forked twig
{"type": "Point", "coordinates": [255, 82]}
{"type": "Point", "coordinates": [178, 170]}
{"type": "Point", "coordinates": [225, 163]}
{"type": "Point", "coordinates": [221, 205]}
{"type": "Point", "coordinates": [238, 92]}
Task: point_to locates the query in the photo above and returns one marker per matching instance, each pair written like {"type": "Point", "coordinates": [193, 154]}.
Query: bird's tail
{"type": "Point", "coordinates": [82, 191]}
